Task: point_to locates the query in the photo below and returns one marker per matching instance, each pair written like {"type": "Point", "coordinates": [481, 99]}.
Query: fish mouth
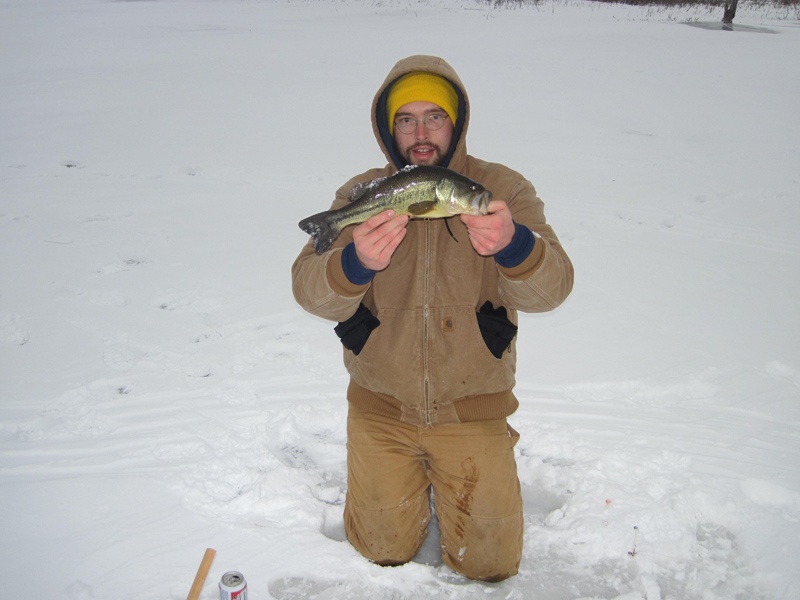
{"type": "Point", "coordinates": [480, 203]}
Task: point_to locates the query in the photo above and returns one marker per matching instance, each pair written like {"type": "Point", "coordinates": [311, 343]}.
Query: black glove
{"type": "Point", "coordinates": [497, 330]}
{"type": "Point", "coordinates": [355, 332]}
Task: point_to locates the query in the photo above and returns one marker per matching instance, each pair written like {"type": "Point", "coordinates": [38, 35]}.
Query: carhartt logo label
{"type": "Point", "coordinates": [448, 324]}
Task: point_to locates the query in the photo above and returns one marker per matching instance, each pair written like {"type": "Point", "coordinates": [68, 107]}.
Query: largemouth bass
{"type": "Point", "coordinates": [421, 192]}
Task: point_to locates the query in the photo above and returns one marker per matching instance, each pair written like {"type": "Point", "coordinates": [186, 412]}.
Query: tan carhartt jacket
{"type": "Point", "coordinates": [426, 363]}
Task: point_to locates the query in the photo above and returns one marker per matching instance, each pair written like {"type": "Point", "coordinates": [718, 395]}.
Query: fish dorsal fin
{"type": "Point", "coordinates": [362, 188]}
{"type": "Point", "coordinates": [419, 209]}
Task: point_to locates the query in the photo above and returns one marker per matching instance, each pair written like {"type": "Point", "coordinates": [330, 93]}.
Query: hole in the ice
{"type": "Point", "coordinates": [538, 500]}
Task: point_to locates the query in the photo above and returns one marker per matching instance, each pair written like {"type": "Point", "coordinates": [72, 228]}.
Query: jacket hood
{"type": "Point", "coordinates": [457, 153]}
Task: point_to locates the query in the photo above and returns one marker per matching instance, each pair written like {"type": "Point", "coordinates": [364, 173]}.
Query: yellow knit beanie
{"type": "Point", "coordinates": [421, 87]}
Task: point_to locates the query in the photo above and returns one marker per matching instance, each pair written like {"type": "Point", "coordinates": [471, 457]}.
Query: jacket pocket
{"type": "Point", "coordinates": [355, 331]}
{"type": "Point", "coordinates": [496, 328]}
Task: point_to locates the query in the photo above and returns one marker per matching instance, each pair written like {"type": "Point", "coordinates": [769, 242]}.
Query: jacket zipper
{"type": "Point", "coordinates": [426, 327]}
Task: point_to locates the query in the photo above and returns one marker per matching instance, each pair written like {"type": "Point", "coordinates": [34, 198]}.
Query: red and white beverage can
{"type": "Point", "coordinates": [232, 586]}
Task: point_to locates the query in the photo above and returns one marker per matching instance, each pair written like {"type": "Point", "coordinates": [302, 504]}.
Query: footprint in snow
{"type": "Point", "coordinates": [295, 457]}
{"type": "Point", "coordinates": [13, 330]}
{"type": "Point", "coordinates": [123, 264]}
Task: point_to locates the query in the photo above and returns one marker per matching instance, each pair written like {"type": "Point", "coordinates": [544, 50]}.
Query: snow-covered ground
{"type": "Point", "coordinates": [161, 393]}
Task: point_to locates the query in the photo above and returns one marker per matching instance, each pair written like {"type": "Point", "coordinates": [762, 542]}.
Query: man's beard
{"type": "Point", "coordinates": [435, 158]}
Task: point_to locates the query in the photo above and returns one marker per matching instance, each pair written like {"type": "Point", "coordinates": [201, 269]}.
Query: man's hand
{"type": "Point", "coordinates": [378, 237]}
{"type": "Point", "coordinates": [489, 234]}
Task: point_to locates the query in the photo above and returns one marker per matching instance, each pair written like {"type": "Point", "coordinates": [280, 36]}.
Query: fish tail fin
{"type": "Point", "coordinates": [322, 229]}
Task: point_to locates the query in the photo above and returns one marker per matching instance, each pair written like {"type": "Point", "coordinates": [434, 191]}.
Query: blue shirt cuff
{"type": "Point", "coordinates": [352, 267]}
{"type": "Point", "coordinates": [518, 250]}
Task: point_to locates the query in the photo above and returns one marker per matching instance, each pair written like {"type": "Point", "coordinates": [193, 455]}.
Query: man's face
{"type": "Point", "coordinates": [423, 146]}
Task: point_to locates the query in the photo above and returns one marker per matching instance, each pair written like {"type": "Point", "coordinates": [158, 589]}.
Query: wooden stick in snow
{"type": "Point", "coordinates": [202, 573]}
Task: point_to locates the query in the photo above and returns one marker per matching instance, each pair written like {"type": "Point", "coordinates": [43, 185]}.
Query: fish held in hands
{"type": "Point", "coordinates": [420, 192]}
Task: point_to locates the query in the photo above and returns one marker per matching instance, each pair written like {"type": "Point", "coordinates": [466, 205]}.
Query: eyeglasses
{"type": "Point", "coordinates": [409, 125]}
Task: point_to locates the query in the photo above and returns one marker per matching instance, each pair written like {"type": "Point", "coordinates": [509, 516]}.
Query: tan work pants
{"type": "Point", "coordinates": [471, 467]}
